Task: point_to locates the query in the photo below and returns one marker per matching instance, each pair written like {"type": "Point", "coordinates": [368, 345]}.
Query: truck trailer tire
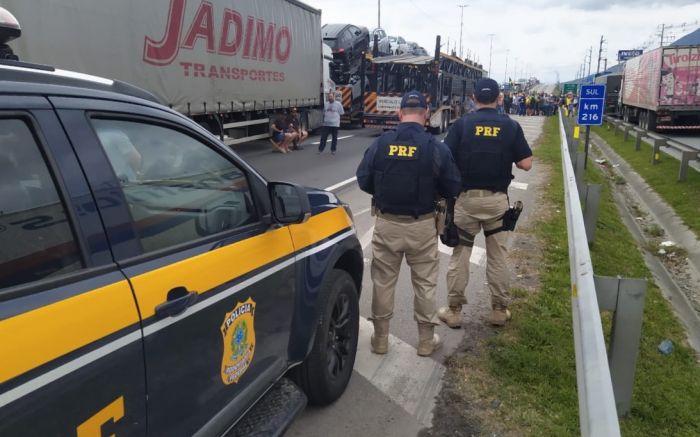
{"type": "Point", "coordinates": [325, 373]}
{"type": "Point", "coordinates": [651, 121]}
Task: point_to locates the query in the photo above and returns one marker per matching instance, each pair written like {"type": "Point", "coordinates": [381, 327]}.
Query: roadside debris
{"type": "Point", "coordinates": [666, 347]}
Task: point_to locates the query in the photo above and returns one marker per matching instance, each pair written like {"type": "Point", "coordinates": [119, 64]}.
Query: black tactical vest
{"type": "Point", "coordinates": [405, 175]}
{"type": "Point", "coordinates": [485, 155]}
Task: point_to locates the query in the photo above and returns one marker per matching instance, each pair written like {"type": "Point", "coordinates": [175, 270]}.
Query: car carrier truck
{"type": "Point", "coordinates": [445, 80]}
{"type": "Point", "coordinates": [230, 66]}
{"type": "Point", "coordinates": [661, 89]}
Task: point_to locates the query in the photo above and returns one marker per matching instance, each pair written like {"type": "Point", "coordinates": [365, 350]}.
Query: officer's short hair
{"type": "Point", "coordinates": [413, 111]}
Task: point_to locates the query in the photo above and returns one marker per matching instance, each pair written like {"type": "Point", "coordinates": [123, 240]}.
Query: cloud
{"type": "Point", "coordinates": [539, 38]}
{"type": "Point", "coordinates": [597, 5]}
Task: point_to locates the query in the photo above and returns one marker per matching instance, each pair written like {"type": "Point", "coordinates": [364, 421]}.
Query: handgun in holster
{"type": "Point", "coordinates": [449, 234]}
{"type": "Point", "coordinates": [373, 208]}
{"type": "Point", "coordinates": [510, 218]}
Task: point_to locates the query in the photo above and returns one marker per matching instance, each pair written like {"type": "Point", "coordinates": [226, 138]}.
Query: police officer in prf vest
{"type": "Point", "coordinates": [485, 146]}
{"type": "Point", "coordinates": [407, 171]}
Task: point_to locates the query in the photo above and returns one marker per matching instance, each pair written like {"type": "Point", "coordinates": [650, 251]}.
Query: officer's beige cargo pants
{"type": "Point", "coordinates": [395, 237]}
{"type": "Point", "coordinates": [476, 210]}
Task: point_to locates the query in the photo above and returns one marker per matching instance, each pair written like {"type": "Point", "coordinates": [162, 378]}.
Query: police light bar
{"type": "Point", "coordinates": [9, 27]}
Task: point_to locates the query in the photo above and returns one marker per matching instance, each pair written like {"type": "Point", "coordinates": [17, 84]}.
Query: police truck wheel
{"type": "Point", "coordinates": [325, 373]}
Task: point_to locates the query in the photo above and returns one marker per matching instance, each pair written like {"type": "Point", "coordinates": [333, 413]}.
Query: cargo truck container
{"type": "Point", "coordinates": [231, 66]}
{"type": "Point", "coordinates": [661, 89]}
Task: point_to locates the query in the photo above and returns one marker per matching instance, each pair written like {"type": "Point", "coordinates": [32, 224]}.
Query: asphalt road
{"type": "Point", "coordinates": [391, 395]}
{"type": "Point", "coordinates": [690, 139]}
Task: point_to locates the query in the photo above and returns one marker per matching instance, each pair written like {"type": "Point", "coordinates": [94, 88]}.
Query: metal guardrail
{"type": "Point", "coordinates": [686, 152]}
{"type": "Point", "coordinates": [597, 409]}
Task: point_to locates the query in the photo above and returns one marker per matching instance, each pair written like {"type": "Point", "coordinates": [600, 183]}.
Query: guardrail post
{"type": "Point", "coordinates": [686, 156]}
{"type": "Point", "coordinates": [580, 171]}
{"type": "Point", "coordinates": [625, 297]}
{"type": "Point", "coordinates": [590, 212]}
{"type": "Point", "coordinates": [617, 125]}
{"type": "Point", "coordinates": [638, 141]}
{"type": "Point", "coordinates": [656, 153]}
{"type": "Point", "coordinates": [626, 130]}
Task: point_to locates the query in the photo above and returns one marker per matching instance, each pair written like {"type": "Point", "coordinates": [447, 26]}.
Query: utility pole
{"type": "Point", "coordinates": [661, 41]}
{"type": "Point", "coordinates": [600, 53]}
{"type": "Point", "coordinates": [505, 73]}
{"type": "Point", "coordinates": [590, 56]}
{"type": "Point", "coordinates": [491, 35]}
{"type": "Point", "coordinates": [379, 13]}
{"type": "Point", "coordinates": [461, 26]}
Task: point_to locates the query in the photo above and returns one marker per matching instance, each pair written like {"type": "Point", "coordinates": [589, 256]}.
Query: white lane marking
{"type": "Point", "coordinates": [362, 211]}
{"type": "Point", "coordinates": [366, 238]}
{"type": "Point", "coordinates": [478, 256]}
{"type": "Point", "coordinates": [519, 185]}
{"type": "Point", "coordinates": [341, 184]}
{"type": "Point", "coordinates": [339, 138]}
{"type": "Point", "coordinates": [447, 250]}
{"type": "Point", "coordinates": [407, 379]}
{"type": "Point", "coordinates": [83, 360]}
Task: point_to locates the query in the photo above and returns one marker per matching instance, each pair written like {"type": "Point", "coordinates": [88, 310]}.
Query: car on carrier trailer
{"type": "Point", "coordinates": [445, 80]}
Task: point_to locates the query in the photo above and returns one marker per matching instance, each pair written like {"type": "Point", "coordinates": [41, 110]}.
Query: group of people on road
{"type": "Point", "coordinates": [287, 132]}
{"type": "Point", "coordinates": [406, 172]}
{"type": "Point", "coordinates": [524, 104]}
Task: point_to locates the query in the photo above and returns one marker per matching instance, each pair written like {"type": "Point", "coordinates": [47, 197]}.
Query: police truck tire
{"type": "Point", "coordinates": [325, 373]}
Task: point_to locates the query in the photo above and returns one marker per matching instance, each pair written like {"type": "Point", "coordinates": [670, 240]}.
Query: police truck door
{"type": "Point", "coordinates": [210, 279]}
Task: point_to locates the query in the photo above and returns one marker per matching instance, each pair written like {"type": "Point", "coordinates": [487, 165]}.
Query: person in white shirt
{"type": "Point", "coordinates": [331, 122]}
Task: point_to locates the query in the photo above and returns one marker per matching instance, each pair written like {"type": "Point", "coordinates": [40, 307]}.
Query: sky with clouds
{"type": "Point", "coordinates": [542, 38]}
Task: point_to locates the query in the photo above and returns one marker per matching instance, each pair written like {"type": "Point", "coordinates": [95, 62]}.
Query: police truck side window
{"type": "Point", "coordinates": [36, 239]}
{"type": "Point", "coordinates": [178, 188]}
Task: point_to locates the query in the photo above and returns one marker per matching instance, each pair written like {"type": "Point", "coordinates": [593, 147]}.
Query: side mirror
{"type": "Point", "coordinates": [290, 203]}
{"type": "Point", "coordinates": [9, 27]}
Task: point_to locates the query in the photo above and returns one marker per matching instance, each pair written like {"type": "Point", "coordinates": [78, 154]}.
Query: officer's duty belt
{"type": "Point", "coordinates": [405, 218]}
{"type": "Point", "coordinates": [479, 193]}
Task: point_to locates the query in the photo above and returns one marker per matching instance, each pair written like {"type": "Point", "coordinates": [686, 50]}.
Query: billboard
{"type": "Point", "coordinates": [623, 55]}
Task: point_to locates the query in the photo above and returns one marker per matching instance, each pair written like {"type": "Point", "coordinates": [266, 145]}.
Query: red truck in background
{"type": "Point", "coordinates": [661, 89]}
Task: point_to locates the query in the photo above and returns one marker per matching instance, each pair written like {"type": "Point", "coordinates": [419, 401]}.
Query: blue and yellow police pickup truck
{"type": "Point", "coordinates": [151, 282]}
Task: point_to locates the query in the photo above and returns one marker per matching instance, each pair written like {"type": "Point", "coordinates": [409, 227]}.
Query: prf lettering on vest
{"type": "Point", "coordinates": [487, 131]}
{"type": "Point", "coordinates": [406, 151]}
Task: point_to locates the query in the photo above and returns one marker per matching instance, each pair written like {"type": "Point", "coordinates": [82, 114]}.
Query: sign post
{"type": "Point", "coordinates": [590, 110]}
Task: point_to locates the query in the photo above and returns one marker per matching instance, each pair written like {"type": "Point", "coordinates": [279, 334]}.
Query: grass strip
{"type": "Point", "coordinates": [530, 366]}
{"type": "Point", "coordinates": [684, 197]}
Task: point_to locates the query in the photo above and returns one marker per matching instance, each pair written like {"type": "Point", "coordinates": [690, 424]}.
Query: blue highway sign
{"type": "Point", "coordinates": [591, 105]}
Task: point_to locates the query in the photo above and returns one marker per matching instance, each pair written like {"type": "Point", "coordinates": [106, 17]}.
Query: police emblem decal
{"type": "Point", "coordinates": [238, 332]}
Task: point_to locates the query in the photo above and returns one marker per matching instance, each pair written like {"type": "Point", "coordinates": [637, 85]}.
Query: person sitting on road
{"type": "Point", "coordinates": [295, 127]}
{"type": "Point", "coordinates": [280, 137]}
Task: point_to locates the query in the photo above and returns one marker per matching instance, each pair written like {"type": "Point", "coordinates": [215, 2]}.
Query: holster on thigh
{"type": "Point", "coordinates": [465, 238]}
